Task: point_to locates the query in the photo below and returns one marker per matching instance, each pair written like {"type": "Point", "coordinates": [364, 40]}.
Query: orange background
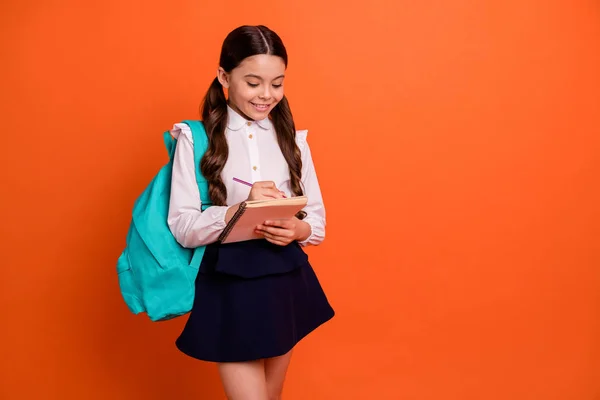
{"type": "Point", "coordinates": [457, 144]}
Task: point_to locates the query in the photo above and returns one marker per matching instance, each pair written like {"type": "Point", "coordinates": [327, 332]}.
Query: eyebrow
{"type": "Point", "coordinates": [258, 77]}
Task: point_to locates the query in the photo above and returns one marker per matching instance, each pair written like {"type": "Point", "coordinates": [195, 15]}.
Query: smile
{"type": "Point", "coordinates": [261, 107]}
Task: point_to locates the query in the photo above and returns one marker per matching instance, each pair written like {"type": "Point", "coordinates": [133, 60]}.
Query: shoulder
{"type": "Point", "coordinates": [182, 131]}
{"type": "Point", "coordinates": [301, 141]}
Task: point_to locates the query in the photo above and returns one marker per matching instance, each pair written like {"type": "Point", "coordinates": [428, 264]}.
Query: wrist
{"type": "Point", "coordinates": [304, 230]}
{"type": "Point", "coordinates": [231, 212]}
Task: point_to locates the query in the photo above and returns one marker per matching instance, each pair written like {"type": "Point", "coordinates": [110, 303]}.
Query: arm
{"type": "Point", "coordinates": [190, 226]}
{"type": "Point", "coordinates": [310, 230]}
{"type": "Point", "coordinates": [315, 209]}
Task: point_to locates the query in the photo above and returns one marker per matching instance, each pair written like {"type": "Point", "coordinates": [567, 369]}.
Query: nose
{"type": "Point", "coordinates": [266, 94]}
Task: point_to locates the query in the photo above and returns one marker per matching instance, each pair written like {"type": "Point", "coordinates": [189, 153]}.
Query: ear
{"type": "Point", "coordinates": [223, 77]}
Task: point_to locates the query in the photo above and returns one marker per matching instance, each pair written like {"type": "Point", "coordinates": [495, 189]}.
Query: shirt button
{"type": "Point", "coordinates": [250, 136]}
{"type": "Point", "coordinates": [254, 168]}
{"type": "Point", "coordinates": [249, 123]}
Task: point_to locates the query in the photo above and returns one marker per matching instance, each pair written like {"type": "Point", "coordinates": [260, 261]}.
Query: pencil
{"type": "Point", "coordinates": [249, 184]}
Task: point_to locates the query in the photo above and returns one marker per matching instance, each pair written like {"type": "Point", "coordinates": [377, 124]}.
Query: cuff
{"type": "Point", "coordinates": [307, 241]}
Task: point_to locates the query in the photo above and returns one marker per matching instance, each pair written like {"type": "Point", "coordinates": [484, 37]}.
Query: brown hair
{"type": "Point", "coordinates": [241, 43]}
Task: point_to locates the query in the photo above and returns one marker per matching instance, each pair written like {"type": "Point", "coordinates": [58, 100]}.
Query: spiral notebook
{"type": "Point", "coordinates": [253, 213]}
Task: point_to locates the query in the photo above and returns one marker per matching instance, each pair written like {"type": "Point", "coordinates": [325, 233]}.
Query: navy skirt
{"type": "Point", "coordinates": [253, 300]}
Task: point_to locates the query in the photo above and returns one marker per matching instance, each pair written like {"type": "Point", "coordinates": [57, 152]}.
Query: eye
{"type": "Point", "coordinates": [278, 85]}
{"type": "Point", "coordinates": [252, 84]}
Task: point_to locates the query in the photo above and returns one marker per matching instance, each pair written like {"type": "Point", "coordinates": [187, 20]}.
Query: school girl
{"type": "Point", "coordinates": [254, 300]}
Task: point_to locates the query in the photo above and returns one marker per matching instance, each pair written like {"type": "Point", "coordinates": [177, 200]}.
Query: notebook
{"type": "Point", "coordinates": [253, 213]}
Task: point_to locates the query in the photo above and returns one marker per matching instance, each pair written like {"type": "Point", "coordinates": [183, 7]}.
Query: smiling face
{"type": "Point", "coordinates": [255, 86]}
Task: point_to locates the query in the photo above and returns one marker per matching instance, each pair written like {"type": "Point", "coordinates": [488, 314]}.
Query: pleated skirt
{"type": "Point", "coordinates": [253, 300]}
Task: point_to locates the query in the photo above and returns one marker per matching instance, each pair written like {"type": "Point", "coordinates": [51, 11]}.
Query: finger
{"type": "Point", "coordinates": [276, 232]}
{"type": "Point", "coordinates": [272, 193]}
{"type": "Point", "coordinates": [281, 241]}
{"type": "Point", "coordinates": [277, 242]}
{"type": "Point", "coordinates": [276, 238]}
{"type": "Point", "coordinates": [281, 223]}
{"type": "Point", "coordinates": [265, 184]}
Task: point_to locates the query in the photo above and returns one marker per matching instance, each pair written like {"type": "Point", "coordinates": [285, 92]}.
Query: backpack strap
{"type": "Point", "coordinates": [200, 146]}
{"type": "Point", "coordinates": [169, 144]}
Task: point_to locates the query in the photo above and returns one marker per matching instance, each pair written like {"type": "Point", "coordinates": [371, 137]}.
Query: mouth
{"type": "Point", "coordinates": [261, 107]}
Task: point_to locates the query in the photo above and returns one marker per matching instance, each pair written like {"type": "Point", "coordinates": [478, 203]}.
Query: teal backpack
{"type": "Point", "coordinates": [156, 274]}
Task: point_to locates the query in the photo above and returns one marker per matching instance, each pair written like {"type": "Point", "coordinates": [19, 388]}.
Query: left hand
{"type": "Point", "coordinates": [284, 231]}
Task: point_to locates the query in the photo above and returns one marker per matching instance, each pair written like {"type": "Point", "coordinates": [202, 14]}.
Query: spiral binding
{"type": "Point", "coordinates": [232, 222]}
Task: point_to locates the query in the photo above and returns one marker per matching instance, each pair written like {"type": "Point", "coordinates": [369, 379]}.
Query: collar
{"type": "Point", "coordinates": [235, 121]}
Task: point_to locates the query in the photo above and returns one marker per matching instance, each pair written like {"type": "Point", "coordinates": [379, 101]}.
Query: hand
{"type": "Point", "coordinates": [284, 231]}
{"type": "Point", "coordinates": [265, 190]}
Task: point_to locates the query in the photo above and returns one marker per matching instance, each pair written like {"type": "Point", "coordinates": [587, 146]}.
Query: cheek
{"type": "Point", "coordinates": [241, 92]}
{"type": "Point", "coordinates": [278, 95]}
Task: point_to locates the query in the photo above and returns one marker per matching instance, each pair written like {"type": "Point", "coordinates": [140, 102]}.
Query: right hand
{"type": "Point", "coordinates": [265, 190]}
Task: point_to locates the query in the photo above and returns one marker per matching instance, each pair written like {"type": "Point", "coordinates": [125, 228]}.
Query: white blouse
{"type": "Point", "coordinates": [254, 155]}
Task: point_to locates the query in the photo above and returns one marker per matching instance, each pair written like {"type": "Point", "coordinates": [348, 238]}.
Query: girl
{"type": "Point", "coordinates": [256, 299]}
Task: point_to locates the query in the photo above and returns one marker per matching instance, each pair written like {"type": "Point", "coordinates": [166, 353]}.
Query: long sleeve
{"type": "Point", "coordinates": [190, 226]}
{"type": "Point", "coordinates": [315, 208]}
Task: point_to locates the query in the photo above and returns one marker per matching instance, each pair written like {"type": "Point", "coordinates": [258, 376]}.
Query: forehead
{"type": "Point", "coordinates": [262, 65]}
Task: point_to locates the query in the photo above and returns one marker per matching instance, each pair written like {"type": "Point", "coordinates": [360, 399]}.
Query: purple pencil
{"type": "Point", "coordinates": [249, 184]}
{"type": "Point", "coordinates": [242, 182]}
